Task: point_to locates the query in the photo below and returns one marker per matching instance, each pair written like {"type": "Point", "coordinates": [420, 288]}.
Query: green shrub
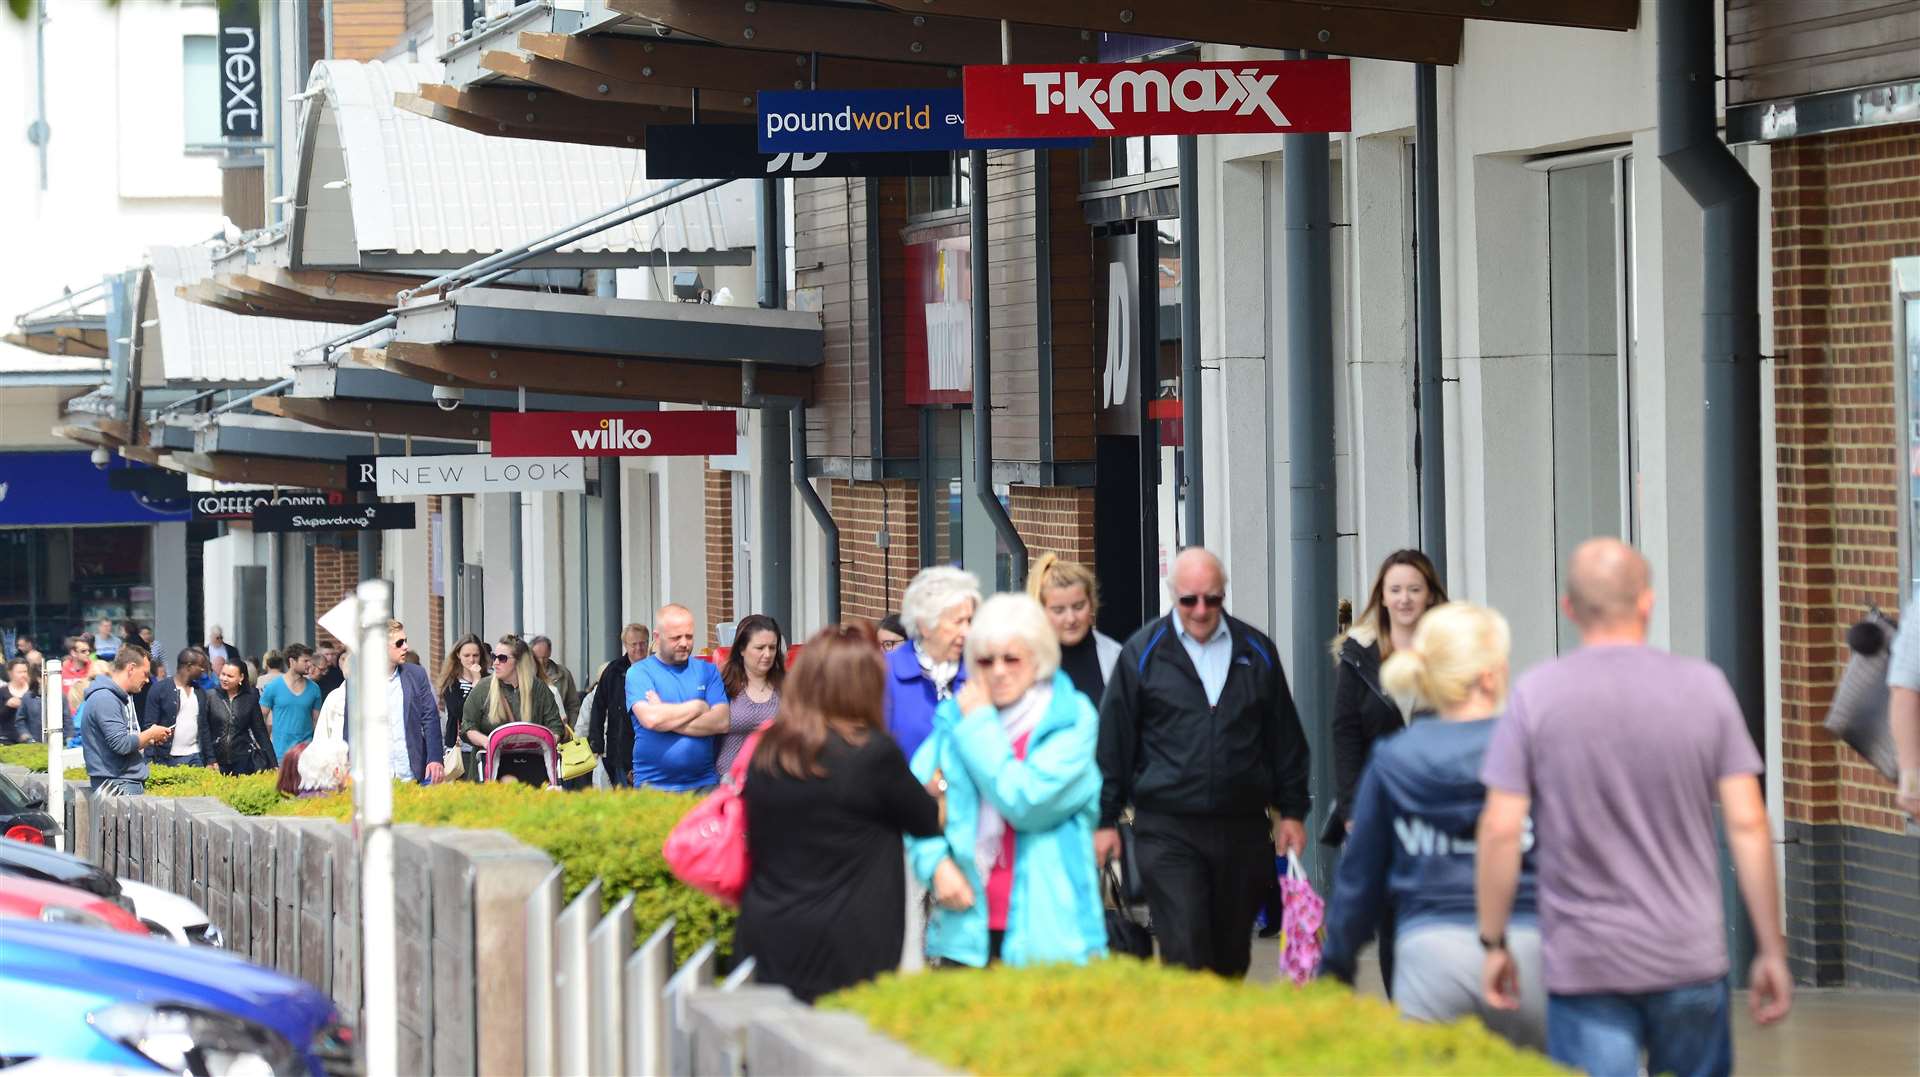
{"type": "Point", "coordinates": [31, 756]}
{"type": "Point", "coordinates": [252, 794]}
{"type": "Point", "coordinates": [1125, 1016]}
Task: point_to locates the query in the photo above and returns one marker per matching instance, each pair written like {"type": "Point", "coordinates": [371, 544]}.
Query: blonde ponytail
{"type": "Point", "coordinates": [1453, 646]}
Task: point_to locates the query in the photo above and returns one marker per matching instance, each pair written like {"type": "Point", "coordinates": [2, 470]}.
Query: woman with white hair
{"type": "Point", "coordinates": [1013, 874]}
{"type": "Point", "coordinates": [936, 611]}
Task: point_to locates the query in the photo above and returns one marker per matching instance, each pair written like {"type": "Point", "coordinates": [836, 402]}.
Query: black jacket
{"type": "Point", "coordinates": [247, 743]}
{"type": "Point", "coordinates": [1163, 750]}
{"type": "Point", "coordinates": [609, 727]}
{"type": "Point", "coordinates": [163, 708]}
{"type": "Point", "coordinates": [1362, 714]}
{"type": "Point", "coordinates": [454, 703]}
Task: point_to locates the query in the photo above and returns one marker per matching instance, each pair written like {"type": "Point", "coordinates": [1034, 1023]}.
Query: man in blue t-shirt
{"type": "Point", "coordinates": [679, 709]}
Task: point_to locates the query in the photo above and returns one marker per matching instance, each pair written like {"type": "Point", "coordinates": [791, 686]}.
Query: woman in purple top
{"type": "Point", "coordinates": [936, 610]}
{"type": "Point", "coordinates": [755, 669]}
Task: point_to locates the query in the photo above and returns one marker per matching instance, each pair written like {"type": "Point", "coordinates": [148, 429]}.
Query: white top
{"type": "Point", "coordinates": [186, 727]}
{"type": "Point", "coordinates": [397, 728]}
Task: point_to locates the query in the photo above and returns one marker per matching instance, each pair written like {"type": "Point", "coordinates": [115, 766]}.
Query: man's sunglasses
{"type": "Point", "coordinates": [1209, 601]}
{"type": "Point", "coordinates": [398, 643]}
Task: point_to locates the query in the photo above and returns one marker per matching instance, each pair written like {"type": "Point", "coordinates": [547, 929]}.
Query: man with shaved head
{"type": "Point", "coordinates": [1618, 752]}
{"type": "Point", "coordinates": [1198, 735]}
{"type": "Point", "coordinates": [679, 708]}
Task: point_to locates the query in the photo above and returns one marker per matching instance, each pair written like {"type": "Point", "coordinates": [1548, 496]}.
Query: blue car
{"type": "Point", "coordinates": [79, 995]}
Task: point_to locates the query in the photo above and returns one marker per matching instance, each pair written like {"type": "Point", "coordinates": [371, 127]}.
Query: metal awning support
{"type": "Point", "coordinates": [775, 540]}
{"type": "Point", "coordinates": [1315, 565]}
{"type": "Point", "coordinates": [1190, 396]}
{"type": "Point", "coordinates": [1430, 450]}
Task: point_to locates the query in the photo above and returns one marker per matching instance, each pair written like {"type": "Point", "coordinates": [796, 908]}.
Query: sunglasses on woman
{"type": "Point", "coordinates": [498, 657]}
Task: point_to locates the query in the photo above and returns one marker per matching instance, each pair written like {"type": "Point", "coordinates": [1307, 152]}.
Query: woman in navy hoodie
{"type": "Point", "coordinates": [1411, 849]}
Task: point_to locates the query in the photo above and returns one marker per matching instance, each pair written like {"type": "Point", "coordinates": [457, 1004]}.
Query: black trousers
{"type": "Point", "coordinates": [1204, 876]}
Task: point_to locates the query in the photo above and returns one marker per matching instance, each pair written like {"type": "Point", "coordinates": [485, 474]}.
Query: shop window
{"type": "Point", "coordinates": [1906, 343]}
{"type": "Point", "coordinates": [200, 71]}
{"type": "Point", "coordinates": [934, 195]}
{"type": "Point", "coordinates": [1595, 458]}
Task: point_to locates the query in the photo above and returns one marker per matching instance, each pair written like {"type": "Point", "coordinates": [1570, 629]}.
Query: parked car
{"type": "Point", "coordinates": [171, 916]}
{"type": "Point", "coordinates": [22, 898]}
{"type": "Point", "coordinates": [23, 815]}
{"type": "Point", "coordinates": [93, 997]}
{"type": "Point", "coordinates": [48, 864]}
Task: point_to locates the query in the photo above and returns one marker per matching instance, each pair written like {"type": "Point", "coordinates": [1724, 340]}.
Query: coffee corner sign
{"type": "Point", "coordinates": [613, 433]}
{"type": "Point", "coordinates": [1117, 100]}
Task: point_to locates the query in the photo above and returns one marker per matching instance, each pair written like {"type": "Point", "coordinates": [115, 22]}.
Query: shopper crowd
{"type": "Point", "coordinates": [981, 779]}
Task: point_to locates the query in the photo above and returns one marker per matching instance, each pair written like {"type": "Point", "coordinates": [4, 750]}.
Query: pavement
{"type": "Point", "coordinates": [1831, 1031]}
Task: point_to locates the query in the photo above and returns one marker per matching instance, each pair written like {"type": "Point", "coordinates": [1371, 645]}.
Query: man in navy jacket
{"type": "Point", "coordinates": [417, 715]}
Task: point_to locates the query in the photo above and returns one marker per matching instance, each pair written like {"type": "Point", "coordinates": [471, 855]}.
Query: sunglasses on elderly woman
{"type": "Point", "coordinates": [988, 661]}
{"type": "Point", "coordinates": [1214, 601]}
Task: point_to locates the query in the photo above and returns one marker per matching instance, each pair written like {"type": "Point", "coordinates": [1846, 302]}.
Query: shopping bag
{"type": "Point", "coordinates": [576, 756]}
{"type": "Point", "coordinates": [1302, 917]}
{"type": "Point", "coordinates": [1125, 933]}
{"type": "Point", "coordinates": [707, 849]}
{"type": "Point", "coordinates": [1858, 714]}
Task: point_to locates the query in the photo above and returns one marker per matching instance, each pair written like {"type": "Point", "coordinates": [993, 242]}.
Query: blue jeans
{"type": "Point", "coordinates": [197, 759]}
{"type": "Point", "coordinates": [1684, 1031]}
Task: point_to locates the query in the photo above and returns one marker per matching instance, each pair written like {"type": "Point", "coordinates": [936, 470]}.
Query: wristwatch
{"type": "Point", "coordinates": [1490, 945]}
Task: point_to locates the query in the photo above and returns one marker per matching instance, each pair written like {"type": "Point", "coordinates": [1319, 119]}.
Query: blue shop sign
{"type": "Point", "coordinates": [874, 121]}
{"type": "Point", "coordinates": [64, 489]}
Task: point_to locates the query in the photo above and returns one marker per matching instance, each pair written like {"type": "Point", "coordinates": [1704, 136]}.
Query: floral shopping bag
{"type": "Point", "coordinates": [1302, 915]}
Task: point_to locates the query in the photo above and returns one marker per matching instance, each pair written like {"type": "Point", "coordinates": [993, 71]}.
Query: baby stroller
{"type": "Point", "coordinates": [525, 752]}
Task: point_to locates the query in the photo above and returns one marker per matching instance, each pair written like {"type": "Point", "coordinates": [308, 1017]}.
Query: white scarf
{"type": "Point", "coordinates": [940, 673]}
{"type": "Point", "coordinates": [1017, 719]}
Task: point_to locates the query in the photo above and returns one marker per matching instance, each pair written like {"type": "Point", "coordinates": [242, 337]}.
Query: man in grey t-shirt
{"type": "Point", "coordinates": [1903, 709]}
{"type": "Point", "coordinates": [1619, 751]}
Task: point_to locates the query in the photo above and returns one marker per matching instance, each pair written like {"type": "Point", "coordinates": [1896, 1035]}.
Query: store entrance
{"type": "Point", "coordinates": [55, 581]}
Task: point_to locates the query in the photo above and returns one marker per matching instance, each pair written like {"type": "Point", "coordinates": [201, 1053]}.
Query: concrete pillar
{"type": "Point", "coordinates": [409, 565]}
{"type": "Point", "coordinates": [501, 576]}
{"type": "Point", "coordinates": [680, 516]}
{"type": "Point", "coordinates": [639, 547]}
{"type": "Point", "coordinates": [170, 585]}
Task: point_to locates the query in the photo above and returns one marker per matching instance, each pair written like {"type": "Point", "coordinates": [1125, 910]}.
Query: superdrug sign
{"type": "Point", "coordinates": [1117, 100]}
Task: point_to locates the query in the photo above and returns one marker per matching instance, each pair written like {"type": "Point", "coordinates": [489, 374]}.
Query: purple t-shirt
{"type": "Point", "coordinates": [1621, 750]}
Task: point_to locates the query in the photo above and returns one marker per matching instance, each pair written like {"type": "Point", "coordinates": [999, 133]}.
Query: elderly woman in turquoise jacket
{"type": "Point", "coordinates": [1013, 875]}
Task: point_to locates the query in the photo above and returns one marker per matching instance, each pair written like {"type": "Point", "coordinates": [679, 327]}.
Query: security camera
{"type": "Point", "coordinates": [448, 397]}
{"type": "Point", "coordinates": [101, 458]}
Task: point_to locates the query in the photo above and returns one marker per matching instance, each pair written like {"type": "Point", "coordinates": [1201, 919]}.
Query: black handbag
{"type": "Point", "coordinates": [1131, 887]}
{"type": "Point", "coordinates": [1125, 935]}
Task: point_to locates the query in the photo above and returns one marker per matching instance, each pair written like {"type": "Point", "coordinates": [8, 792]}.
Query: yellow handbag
{"type": "Point", "coordinates": [576, 756]}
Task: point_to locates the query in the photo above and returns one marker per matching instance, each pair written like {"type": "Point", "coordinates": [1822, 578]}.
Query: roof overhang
{"type": "Point", "coordinates": [219, 339]}
{"type": "Point", "coordinates": [350, 382]}
{"type": "Point", "coordinates": [381, 188]}
{"type": "Point", "coordinates": [600, 325]}
{"type": "Point", "coordinates": [265, 435]}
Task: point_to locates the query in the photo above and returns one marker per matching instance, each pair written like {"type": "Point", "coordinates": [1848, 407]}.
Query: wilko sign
{"type": "Point", "coordinates": [618, 433]}
{"type": "Point", "coordinates": [1117, 100]}
{"type": "Point", "coordinates": [402, 476]}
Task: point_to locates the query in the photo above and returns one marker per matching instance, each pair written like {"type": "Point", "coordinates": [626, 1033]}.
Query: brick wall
{"type": "Point", "coordinates": [1054, 519]}
{"type": "Point", "coordinates": [336, 572]}
{"type": "Point", "coordinates": [719, 498]}
{"type": "Point", "coordinates": [872, 578]}
{"type": "Point", "coordinates": [1844, 205]}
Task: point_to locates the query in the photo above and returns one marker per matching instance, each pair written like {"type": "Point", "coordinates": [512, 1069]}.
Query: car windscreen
{"type": "Point", "coordinates": [12, 797]}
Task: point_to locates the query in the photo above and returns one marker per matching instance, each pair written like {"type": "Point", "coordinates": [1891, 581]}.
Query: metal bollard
{"type": "Point", "coordinates": [608, 947]}
{"type": "Point", "coordinates": [572, 982]}
{"type": "Point", "coordinates": [647, 974]}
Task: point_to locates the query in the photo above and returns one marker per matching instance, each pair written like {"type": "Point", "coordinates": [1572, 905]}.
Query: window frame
{"type": "Point", "coordinates": [1904, 289]}
{"type": "Point", "coordinates": [189, 146]}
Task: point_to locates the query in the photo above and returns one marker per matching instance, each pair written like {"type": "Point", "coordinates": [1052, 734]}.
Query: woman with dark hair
{"type": "Point", "coordinates": [465, 666]}
{"type": "Point", "coordinates": [891, 632]}
{"type": "Point", "coordinates": [753, 674]}
{"type": "Point", "coordinates": [828, 799]}
{"type": "Point", "coordinates": [247, 747]}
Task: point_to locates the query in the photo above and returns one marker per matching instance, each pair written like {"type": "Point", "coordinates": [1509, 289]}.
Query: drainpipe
{"type": "Point", "coordinates": [1691, 149]}
{"type": "Point", "coordinates": [1190, 418]}
{"type": "Point", "coordinates": [1430, 451]}
{"type": "Point", "coordinates": [612, 522]}
{"type": "Point", "coordinates": [774, 542]}
{"type": "Point", "coordinates": [1309, 305]}
{"type": "Point", "coordinates": [983, 380]}
{"type": "Point", "coordinates": [790, 412]}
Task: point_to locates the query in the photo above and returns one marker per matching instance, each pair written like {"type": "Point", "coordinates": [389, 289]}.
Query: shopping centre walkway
{"type": "Point", "coordinates": [1832, 1031]}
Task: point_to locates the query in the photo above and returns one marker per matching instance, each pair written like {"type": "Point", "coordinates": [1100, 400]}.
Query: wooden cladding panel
{"type": "Point", "coordinates": [366, 29]}
{"type": "Point", "coordinates": [830, 257]}
{"type": "Point", "coordinates": [900, 421]}
{"type": "Point", "coordinates": [1777, 50]}
{"type": "Point", "coordinates": [1075, 370]}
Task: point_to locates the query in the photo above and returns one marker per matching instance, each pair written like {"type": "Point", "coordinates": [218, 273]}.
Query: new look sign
{"type": "Point", "coordinates": [404, 476]}
{"type": "Point", "coordinates": [1119, 100]}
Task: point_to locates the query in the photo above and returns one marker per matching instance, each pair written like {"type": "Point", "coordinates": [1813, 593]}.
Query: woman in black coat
{"type": "Point", "coordinates": [828, 798]}
{"type": "Point", "coordinates": [1404, 589]}
{"type": "Point", "coordinates": [246, 747]}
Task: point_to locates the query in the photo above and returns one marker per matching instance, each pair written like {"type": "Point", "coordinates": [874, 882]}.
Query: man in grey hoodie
{"type": "Point", "coordinates": [110, 735]}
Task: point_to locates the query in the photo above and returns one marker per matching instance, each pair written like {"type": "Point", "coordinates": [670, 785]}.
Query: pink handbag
{"type": "Point", "coordinates": [708, 847]}
{"type": "Point", "coordinates": [1302, 915]}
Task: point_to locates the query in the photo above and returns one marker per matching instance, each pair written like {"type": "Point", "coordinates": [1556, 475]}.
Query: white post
{"type": "Point", "coordinates": [373, 819]}
{"type": "Point", "coordinates": [53, 726]}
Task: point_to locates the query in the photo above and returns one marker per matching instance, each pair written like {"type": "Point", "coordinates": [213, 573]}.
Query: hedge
{"type": "Point", "coordinates": [31, 756]}
{"type": "Point", "coordinates": [1122, 1016]}
{"type": "Point", "coordinates": [612, 835]}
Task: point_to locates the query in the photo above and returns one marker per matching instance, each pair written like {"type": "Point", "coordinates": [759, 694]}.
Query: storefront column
{"type": "Point", "coordinates": [170, 585]}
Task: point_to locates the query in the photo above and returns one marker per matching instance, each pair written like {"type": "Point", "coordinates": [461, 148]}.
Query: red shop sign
{"type": "Point", "coordinates": [1116, 100]}
{"type": "Point", "coordinates": [614, 433]}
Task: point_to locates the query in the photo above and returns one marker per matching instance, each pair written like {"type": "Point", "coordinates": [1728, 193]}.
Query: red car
{"type": "Point", "coordinates": [30, 899]}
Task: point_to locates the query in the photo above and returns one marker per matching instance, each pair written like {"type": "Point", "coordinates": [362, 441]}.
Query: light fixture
{"type": "Point", "coordinates": [334, 185]}
{"type": "Point", "coordinates": [280, 200]}
{"type": "Point", "coordinates": [149, 323]}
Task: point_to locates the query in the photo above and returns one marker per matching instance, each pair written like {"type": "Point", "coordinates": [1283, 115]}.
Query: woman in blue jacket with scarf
{"type": "Point", "coordinates": [1013, 876]}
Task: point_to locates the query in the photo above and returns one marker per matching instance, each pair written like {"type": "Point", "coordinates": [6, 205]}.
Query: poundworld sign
{"type": "Point", "coordinates": [402, 476]}
{"type": "Point", "coordinates": [870, 121]}
{"type": "Point", "coordinates": [1120, 100]}
{"type": "Point", "coordinates": [613, 433]}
